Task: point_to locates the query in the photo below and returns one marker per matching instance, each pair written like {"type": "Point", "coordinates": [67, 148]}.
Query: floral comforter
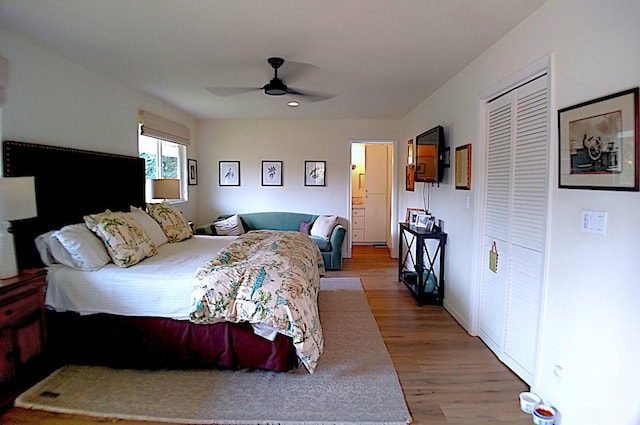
{"type": "Point", "coordinates": [269, 277]}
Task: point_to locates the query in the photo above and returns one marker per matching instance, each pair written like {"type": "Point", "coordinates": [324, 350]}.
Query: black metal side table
{"type": "Point", "coordinates": [419, 253]}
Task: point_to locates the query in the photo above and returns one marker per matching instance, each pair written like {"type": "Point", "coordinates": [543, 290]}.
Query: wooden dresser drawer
{"type": "Point", "coordinates": [357, 235]}
{"type": "Point", "coordinates": [12, 313]}
{"type": "Point", "coordinates": [22, 327]}
{"type": "Point", "coordinates": [357, 212]}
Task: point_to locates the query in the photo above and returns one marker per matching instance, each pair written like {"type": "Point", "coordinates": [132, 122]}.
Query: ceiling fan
{"type": "Point", "coordinates": [275, 87]}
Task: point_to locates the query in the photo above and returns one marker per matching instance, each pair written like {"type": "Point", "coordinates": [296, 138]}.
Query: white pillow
{"type": "Point", "coordinates": [149, 225]}
{"type": "Point", "coordinates": [82, 248]}
{"type": "Point", "coordinates": [43, 245]}
{"type": "Point", "coordinates": [231, 226]}
{"type": "Point", "coordinates": [323, 226]}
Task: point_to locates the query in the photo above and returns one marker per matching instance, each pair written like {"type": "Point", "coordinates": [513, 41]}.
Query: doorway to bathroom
{"type": "Point", "coordinates": [371, 193]}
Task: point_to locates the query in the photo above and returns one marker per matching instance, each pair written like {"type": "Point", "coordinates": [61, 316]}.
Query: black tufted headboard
{"type": "Point", "coordinates": [69, 183]}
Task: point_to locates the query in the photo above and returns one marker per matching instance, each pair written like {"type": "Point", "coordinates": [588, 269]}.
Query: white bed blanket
{"type": "Point", "coordinates": [159, 286]}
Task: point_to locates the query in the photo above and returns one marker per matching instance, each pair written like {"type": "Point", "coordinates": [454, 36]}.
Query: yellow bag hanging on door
{"type": "Point", "coordinates": [493, 258]}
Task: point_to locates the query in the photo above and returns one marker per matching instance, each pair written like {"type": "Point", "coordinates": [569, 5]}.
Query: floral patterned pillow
{"type": "Point", "coordinates": [125, 240]}
{"type": "Point", "coordinates": [171, 220]}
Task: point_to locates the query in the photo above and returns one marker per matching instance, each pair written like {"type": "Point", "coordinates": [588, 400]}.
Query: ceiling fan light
{"type": "Point", "coordinates": [293, 103]}
{"type": "Point", "coordinates": [275, 87]}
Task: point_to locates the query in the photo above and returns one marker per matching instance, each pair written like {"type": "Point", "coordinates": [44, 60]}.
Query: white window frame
{"type": "Point", "coordinates": [181, 168]}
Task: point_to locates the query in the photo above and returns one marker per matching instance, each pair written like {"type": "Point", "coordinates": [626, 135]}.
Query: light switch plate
{"type": "Point", "coordinates": [594, 222]}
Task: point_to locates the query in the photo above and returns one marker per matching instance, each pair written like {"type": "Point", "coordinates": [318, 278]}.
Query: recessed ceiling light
{"type": "Point", "coordinates": [293, 103]}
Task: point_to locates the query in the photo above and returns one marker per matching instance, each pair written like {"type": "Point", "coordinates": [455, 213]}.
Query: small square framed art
{"type": "Point", "coordinates": [272, 173]}
{"type": "Point", "coordinates": [315, 173]}
{"type": "Point", "coordinates": [229, 173]}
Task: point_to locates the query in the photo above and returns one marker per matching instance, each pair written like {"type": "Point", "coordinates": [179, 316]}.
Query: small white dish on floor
{"type": "Point", "coordinates": [528, 401]}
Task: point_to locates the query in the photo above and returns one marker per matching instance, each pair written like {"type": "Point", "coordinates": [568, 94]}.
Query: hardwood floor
{"type": "Point", "coordinates": [448, 377]}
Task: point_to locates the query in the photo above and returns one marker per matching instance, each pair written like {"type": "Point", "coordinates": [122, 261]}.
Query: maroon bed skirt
{"type": "Point", "coordinates": [158, 343]}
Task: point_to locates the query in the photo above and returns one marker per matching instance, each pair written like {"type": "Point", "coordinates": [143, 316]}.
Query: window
{"type": "Point", "coordinates": [163, 145]}
{"type": "Point", "coordinates": [163, 160]}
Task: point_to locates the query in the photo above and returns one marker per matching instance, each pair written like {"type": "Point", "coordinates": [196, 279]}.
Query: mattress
{"type": "Point", "coordinates": [159, 286]}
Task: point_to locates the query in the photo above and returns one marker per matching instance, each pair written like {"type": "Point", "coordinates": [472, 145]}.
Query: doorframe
{"type": "Point", "coordinates": [540, 67]}
{"type": "Point", "coordinates": [524, 75]}
{"type": "Point", "coordinates": [393, 195]}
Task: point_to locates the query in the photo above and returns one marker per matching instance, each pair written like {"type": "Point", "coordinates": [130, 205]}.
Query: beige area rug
{"type": "Point", "coordinates": [355, 382]}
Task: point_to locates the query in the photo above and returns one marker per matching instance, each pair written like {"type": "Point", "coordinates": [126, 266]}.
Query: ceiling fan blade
{"type": "Point", "coordinates": [294, 71]}
{"type": "Point", "coordinates": [231, 91]}
{"type": "Point", "coordinates": [310, 96]}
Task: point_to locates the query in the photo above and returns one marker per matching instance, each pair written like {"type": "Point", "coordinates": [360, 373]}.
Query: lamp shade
{"type": "Point", "coordinates": [17, 198]}
{"type": "Point", "coordinates": [17, 202]}
{"type": "Point", "coordinates": [165, 189]}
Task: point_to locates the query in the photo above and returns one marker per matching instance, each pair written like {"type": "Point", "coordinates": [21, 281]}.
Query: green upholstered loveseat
{"type": "Point", "coordinates": [331, 249]}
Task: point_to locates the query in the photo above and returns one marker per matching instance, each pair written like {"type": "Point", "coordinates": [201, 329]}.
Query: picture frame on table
{"type": "Point", "coordinates": [411, 214]}
{"type": "Point", "coordinates": [271, 173]}
{"type": "Point", "coordinates": [229, 173]}
{"type": "Point", "coordinates": [315, 173]}
{"type": "Point", "coordinates": [598, 143]}
{"type": "Point", "coordinates": [431, 224]}
{"type": "Point", "coordinates": [422, 221]}
{"type": "Point", "coordinates": [192, 170]}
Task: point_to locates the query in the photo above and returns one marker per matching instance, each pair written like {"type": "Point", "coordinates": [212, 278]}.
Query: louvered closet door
{"type": "Point", "coordinates": [516, 219]}
{"type": "Point", "coordinates": [498, 194]}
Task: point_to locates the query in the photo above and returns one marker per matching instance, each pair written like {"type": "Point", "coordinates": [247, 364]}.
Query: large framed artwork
{"type": "Point", "coordinates": [598, 143]}
{"type": "Point", "coordinates": [272, 173]}
{"type": "Point", "coordinates": [229, 173]}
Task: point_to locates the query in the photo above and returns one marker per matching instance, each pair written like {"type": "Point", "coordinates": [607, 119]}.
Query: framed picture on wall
{"type": "Point", "coordinates": [315, 173]}
{"type": "Point", "coordinates": [192, 169]}
{"type": "Point", "coordinates": [272, 173]}
{"type": "Point", "coordinates": [463, 167]}
{"type": "Point", "coordinates": [410, 177]}
{"type": "Point", "coordinates": [229, 173]}
{"type": "Point", "coordinates": [598, 146]}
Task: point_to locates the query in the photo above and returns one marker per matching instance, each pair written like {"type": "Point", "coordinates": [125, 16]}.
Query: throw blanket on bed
{"type": "Point", "coordinates": [268, 277]}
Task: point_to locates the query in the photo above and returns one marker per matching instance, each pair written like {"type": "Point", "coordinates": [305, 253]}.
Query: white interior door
{"type": "Point", "coordinates": [376, 205]}
{"type": "Point", "coordinates": [516, 220]}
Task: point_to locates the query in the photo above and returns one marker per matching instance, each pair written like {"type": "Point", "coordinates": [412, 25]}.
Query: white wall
{"type": "Point", "coordinates": [591, 317]}
{"type": "Point", "coordinates": [52, 101]}
{"type": "Point", "coordinates": [290, 141]}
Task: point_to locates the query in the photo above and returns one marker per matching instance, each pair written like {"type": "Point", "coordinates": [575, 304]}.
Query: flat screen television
{"type": "Point", "coordinates": [429, 155]}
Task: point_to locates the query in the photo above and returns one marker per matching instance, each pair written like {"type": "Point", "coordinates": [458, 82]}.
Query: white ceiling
{"type": "Point", "coordinates": [380, 58]}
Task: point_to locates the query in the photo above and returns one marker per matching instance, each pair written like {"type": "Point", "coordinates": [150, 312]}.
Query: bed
{"type": "Point", "coordinates": [164, 312]}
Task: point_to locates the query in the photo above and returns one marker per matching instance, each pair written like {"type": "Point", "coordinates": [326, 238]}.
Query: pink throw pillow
{"type": "Point", "coordinates": [305, 227]}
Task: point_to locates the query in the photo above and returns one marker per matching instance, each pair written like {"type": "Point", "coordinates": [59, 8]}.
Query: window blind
{"type": "Point", "coordinates": [164, 129]}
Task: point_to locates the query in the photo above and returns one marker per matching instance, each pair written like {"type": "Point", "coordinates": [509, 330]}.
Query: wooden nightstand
{"type": "Point", "coordinates": [22, 326]}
